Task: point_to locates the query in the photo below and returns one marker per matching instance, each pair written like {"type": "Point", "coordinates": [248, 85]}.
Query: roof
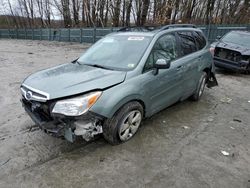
{"type": "Point", "coordinates": [137, 33]}
{"type": "Point", "coordinates": [152, 30]}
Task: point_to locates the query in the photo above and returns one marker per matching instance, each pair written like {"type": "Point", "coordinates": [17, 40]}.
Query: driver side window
{"type": "Point", "coordinates": [164, 48]}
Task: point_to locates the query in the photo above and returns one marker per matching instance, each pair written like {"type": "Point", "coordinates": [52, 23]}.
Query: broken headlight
{"type": "Point", "coordinates": [76, 106]}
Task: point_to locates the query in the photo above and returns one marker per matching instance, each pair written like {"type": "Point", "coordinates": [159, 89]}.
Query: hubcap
{"type": "Point", "coordinates": [203, 83]}
{"type": "Point", "coordinates": [130, 125]}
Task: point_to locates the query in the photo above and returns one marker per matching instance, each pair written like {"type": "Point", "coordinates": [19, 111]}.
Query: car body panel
{"type": "Point", "coordinates": [152, 90]}
{"type": "Point", "coordinates": [165, 88]}
{"type": "Point", "coordinates": [189, 68]}
{"type": "Point", "coordinates": [72, 79]}
{"type": "Point", "coordinates": [225, 64]}
{"type": "Point", "coordinates": [146, 87]}
{"type": "Point", "coordinates": [156, 92]}
{"type": "Point", "coordinates": [235, 47]}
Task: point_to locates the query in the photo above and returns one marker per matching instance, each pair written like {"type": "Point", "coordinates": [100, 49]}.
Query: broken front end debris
{"type": "Point", "coordinates": [231, 59]}
{"type": "Point", "coordinates": [87, 125]}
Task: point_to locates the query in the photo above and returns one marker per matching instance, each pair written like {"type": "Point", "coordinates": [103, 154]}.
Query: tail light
{"type": "Point", "coordinates": [212, 50]}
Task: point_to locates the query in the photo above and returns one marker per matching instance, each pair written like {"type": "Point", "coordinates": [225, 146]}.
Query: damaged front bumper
{"type": "Point", "coordinates": [85, 126]}
{"type": "Point", "coordinates": [231, 65]}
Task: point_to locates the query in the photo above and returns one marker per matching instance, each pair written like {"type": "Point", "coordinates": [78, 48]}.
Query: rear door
{"type": "Point", "coordinates": [204, 55]}
{"type": "Point", "coordinates": [191, 57]}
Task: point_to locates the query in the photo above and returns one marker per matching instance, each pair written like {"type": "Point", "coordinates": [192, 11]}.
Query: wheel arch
{"type": "Point", "coordinates": [109, 106]}
{"type": "Point", "coordinates": [211, 79]}
{"type": "Point", "coordinates": [207, 70]}
{"type": "Point", "coordinates": [125, 101]}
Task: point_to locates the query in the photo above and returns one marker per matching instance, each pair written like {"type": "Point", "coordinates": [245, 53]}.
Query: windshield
{"type": "Point", "coordinates": [116, 52]}
{"type": "Point", "coordinates": [237, 38]}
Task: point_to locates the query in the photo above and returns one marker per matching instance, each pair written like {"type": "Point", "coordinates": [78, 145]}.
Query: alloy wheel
{"type": "Point", "coordinates": [130, 125]}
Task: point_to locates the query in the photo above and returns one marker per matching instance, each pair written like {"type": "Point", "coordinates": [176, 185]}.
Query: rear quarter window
{"type": "Point", "coordinates": [200, 40]}
{"type": "Point", "coordinates": [187, 43]}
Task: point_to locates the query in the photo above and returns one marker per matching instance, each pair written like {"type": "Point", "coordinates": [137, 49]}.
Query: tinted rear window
{"type": "Point", "coordinates": [187, 42]}
{"type": "Point", "coordinates": [200, 40]}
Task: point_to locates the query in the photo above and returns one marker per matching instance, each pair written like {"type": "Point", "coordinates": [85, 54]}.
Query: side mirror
{"type": "Point", "coordinates": [162, 64]}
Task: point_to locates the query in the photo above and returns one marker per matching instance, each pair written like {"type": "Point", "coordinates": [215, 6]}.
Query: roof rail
{"type": "Point", "coordinates": [177, 26]}
{"type": "Point", "coordinates": [138, 28]}
{"type": "Point", "coordinates": [153, 28]}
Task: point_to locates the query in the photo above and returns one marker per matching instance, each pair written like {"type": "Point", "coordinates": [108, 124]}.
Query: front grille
{"type": "Point", "coordinates": [38, 109]}
{"type": "Point", "coordinates": [228, 54]}
{"type": "Point", "coordinates": [32, 94]}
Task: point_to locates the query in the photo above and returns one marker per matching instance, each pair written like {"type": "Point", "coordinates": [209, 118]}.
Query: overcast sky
{"type": "Point", "coordinates": [4, 9]}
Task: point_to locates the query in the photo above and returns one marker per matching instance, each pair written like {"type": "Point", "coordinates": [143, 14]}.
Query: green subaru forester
{"type": "Point", "coordinates": [124, 77]}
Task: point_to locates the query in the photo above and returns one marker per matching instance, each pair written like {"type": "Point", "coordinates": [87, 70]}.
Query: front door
{"type": "Point", "coordinates": [164, 88]}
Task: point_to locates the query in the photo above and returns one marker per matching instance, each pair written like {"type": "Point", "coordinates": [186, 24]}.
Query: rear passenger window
{"type": "Point", "coordinates": [187, 43]}
{"type": "Point", "coordinates": [200, 40]}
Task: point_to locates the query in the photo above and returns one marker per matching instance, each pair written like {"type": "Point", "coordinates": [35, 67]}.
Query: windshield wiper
{"type": "Point", "coordinates": [75, 61]}
{"type": "Point", "coordinates": [99, 66]}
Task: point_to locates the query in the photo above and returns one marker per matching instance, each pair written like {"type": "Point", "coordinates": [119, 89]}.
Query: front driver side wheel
{"type": "Point", "coordinates": [124, 124]}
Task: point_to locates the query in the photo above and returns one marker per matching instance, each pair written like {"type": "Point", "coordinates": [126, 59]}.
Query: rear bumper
{"type": "Point", "coordinates": [231, 65]}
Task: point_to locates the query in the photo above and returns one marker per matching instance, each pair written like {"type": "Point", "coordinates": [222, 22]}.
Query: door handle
{"type": "Point", "coordinates": [199, 58]}
{"type": "Point", "coordinates": [180, 67]}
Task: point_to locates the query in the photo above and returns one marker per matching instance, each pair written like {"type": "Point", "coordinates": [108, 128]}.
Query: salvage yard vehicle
{"type": "Point", "coordinates": [233, 51]}
{"type": "Point", "coordinates": [121, 79]}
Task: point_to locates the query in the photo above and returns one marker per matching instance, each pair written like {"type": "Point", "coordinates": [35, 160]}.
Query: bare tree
{"type": "Point", "coordinates": [66, 13]}
{"type": "Point", "coordinates": [40, 13]}
{"type": "Point", "coordinates": [116, 12]}
{"type": "Point", "coordinates": [63, 6]}
{"type": "Point", "coordinates": [13, 15]}
{"type": "Point", "coordinates": [40, 10]}
{"type": "Point", "coordinates": [47, 12]}
{"type": "Point", "coordinates": [210, 7]}
{"type": "Point", "coordinates": [128, 5]}
{"type": "Point", "coordinates": [144, 11]}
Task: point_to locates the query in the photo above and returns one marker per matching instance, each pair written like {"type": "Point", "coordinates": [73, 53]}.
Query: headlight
{"type": "Point", "coordinates": [76, 106]}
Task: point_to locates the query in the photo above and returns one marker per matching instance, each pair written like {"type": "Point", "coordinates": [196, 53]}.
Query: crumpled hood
{"type": "Point", "coordinates": [70, 79]}
{"type": "Point", "coordinates": [230, 46]}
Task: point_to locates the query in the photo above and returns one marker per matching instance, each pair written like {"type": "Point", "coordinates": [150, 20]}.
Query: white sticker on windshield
{"type": "Point", "coordinates": [108, 40]}
{"type": "Point", "coordinates": [136, 38]}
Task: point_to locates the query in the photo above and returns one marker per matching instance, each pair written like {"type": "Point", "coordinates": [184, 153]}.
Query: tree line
{"type": "Point", "coordinates": [106, 13]}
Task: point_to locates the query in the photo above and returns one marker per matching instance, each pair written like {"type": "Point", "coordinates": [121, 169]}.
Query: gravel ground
{"type": "Point", "coordinates": [178, 147]}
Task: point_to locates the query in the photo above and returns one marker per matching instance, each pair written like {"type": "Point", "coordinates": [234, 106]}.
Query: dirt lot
{"type": "Point", "coordinates": [178, 147]}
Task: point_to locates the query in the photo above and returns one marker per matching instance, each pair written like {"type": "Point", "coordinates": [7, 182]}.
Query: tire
{"type": "Point", "coordinates": [114, 128]}
{"type": "Point", "coordinates": [201, 86]}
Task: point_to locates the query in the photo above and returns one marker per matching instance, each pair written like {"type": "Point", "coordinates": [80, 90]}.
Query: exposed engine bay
{"type": "Point", "coordinates": [228, 54]}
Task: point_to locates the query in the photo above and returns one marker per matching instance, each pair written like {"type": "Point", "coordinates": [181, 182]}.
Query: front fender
{"type": "Point", "coordinates": [114, 98]}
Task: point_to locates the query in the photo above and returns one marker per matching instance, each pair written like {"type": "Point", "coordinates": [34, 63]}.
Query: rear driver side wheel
{"type": "Point", "coordinates": [124, 124]}
{"type": "Point", "coordinates": [201, 86]}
